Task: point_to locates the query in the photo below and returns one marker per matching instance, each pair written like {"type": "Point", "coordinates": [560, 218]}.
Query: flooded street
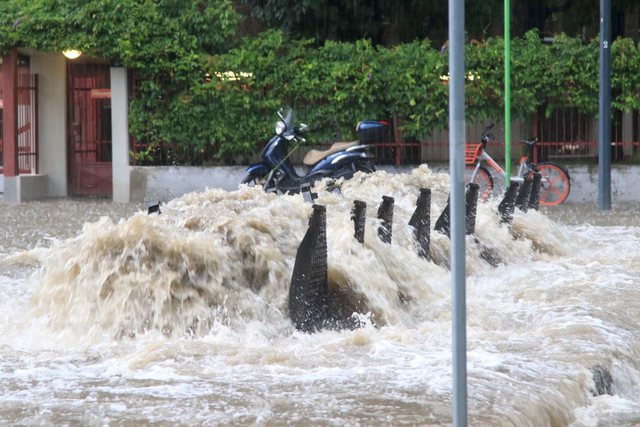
{"type": "Point", "coordinates": [110, 316]}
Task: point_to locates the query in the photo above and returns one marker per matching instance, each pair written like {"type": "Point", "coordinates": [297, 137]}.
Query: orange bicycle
{"type": "Point", "coordinates": [555, 183]}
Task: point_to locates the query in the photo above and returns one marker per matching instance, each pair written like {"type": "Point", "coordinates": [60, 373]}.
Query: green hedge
{"type": "Point", "coordinates": [179, 48]}
{"type": "Point", "coordinates": [167, 42]}
{"type": "Point", "coordinates": [338, 84]}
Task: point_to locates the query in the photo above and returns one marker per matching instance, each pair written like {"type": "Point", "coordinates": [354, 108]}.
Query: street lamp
{"type": "Point", "coordinates": [71, 53]}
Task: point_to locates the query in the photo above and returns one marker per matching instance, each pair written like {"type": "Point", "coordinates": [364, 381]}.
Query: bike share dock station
{"type": "Point", "coordinates": [311, 304]}
{"type": "Point", "coordinates": [555, 182]}
{"type": "Point", "coordinates": [314, 304]}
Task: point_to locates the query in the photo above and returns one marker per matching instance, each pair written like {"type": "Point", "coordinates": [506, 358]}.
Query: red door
{"type": "Point", "coordinates": [89, 130]}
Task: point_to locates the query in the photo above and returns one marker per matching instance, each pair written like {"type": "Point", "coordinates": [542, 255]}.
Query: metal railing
{"type": "Point", "coordinates": [27, 117]}
{"type": "Point", "coordinates": [27, 129]}
{"type": "Point", "coordinates": [564, 135]}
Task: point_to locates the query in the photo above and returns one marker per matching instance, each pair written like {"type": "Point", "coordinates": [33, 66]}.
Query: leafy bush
{"type": "Point", "coordinates": [338, 84]}
{"type": "Point", "coordinates": [196, 92]}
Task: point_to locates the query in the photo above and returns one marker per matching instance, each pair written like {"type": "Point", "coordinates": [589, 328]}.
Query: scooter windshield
{"type": "Point", "coordinates": [289, 118]}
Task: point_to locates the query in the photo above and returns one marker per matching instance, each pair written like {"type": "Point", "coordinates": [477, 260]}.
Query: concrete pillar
{"type": "Point", "coordinates": [120, 135]}
{"type": "Point", "coordinates": [51, 68]}
{"type": "Point", "coordinates": [10, 113]}
{"type": "Point", "coordinates": [11, 183]}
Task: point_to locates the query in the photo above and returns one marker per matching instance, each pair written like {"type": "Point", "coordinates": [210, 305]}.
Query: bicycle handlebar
{"type": "Point", "coordinates": [486, 137]}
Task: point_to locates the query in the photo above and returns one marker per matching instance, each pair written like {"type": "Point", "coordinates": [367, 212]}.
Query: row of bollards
{"type": "Point", "coordinates": [420, 220]}
{"type": "Point", "coordinates": [310, 306]}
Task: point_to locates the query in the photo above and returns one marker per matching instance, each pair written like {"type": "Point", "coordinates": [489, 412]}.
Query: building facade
{"type": "Point", "coordinates": [64, 127]}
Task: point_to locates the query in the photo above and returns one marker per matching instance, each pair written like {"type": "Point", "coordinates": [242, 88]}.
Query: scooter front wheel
{"type": "Point", "coordinates": [252, 180]}
{"type": "Point", "coordinates": [349, 170]}
{"type": "Point", "coordinates": [249, 179]}
{"type": "Point", "coordinates": [365, 166]}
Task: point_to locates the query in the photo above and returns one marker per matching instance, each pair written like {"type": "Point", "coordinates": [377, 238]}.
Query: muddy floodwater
{"type": "Point", "coordinates": [110, 316]}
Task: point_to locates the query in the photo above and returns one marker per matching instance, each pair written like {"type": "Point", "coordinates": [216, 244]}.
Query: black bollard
{"type": "Point", "coordinates": [421, 222]}
{"type": "Point", "coordinates": [534, 199]}
{"type": "Point", "coordinates": [308, 294]}
{"type": "Point", "coordinates": [471, 207]}
{"type": "Point", "coordinates": [442, 223]}
{"type": "Point", "coordinates": [524, 194]}
{"type": "Point", "coordinates": [358, 216]}
{"type": "Point", "coordinates": [508, 203]}
{"type": "Point", "coordinates": [602, 380]}
{"type": "Point", "coordinates": [385, 213]}
{"type": "Point", "coordinates": [153, 209]}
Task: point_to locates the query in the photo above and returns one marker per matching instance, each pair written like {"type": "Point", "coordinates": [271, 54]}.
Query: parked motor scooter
{"type": "Point", "coordinates": [276, 172]}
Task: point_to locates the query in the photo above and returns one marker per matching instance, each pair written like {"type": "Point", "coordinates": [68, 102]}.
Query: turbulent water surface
{"type": "Point", "coordinates": [112, 316]}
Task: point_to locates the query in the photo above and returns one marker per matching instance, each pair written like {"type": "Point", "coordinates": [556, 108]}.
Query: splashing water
{"type": "Point", "coordinates": [182, 317]}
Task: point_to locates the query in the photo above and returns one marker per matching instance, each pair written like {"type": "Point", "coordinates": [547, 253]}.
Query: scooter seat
{"type": "Point", "coordinates": [314, 156]}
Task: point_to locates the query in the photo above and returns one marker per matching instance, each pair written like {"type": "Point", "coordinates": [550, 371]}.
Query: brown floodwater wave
{"type": "Point", "coordinates": [129, 313]}
{"type": "Point", "coordinates": [219, 257]}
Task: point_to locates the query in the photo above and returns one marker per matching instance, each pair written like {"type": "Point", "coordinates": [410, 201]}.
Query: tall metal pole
{"type": "Point", "coordinates": [457, 211]}
{"type": "Point", "coordinates": [604, 118]}
{"type": "Point", "coordinates": [507, 89]}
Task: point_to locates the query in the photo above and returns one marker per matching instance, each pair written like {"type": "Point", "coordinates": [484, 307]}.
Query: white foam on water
{"type": "Point", "coordinates": [182, 317]}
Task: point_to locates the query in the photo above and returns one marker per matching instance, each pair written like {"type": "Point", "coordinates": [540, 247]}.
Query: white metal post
{"type": "Point", "coordinates": [457, 212]}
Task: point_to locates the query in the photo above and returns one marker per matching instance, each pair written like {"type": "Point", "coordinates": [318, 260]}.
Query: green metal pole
{"type": "Point", "coordinates": [507, 90]}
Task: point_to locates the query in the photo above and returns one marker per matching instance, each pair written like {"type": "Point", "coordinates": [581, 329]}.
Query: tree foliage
{"type": "Point", "coordinates": [195, 92]}
{"type": "Point", "coordinates": [166, 42]}
{"type": "Point", "coordinates": [391, 22]}
{"type": "Point", "coordinates": [340, 83]}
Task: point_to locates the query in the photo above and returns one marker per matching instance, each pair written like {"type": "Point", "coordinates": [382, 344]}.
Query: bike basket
{"type": "Point", "coordinates": [471, 152]}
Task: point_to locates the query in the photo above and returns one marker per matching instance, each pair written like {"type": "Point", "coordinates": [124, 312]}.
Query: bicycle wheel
{"type": "Point", "coordinates": [555, 184]}
{"type": "Point", "coordinates": [483, 179]}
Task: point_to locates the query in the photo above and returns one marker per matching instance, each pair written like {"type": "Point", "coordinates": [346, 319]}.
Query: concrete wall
{"type": "Point", "coordinates": [153, 184]}
{"type": "Point", "coordinates": [25, 188]}
{"type": "Point", "coordinates": [163, 183]}
{"type": "Point", "coordinates": [584, 183]}
{"type": "Point", "coordinates": [51, 181]}
{"type": "Point", "coordinates": [52, 119]}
